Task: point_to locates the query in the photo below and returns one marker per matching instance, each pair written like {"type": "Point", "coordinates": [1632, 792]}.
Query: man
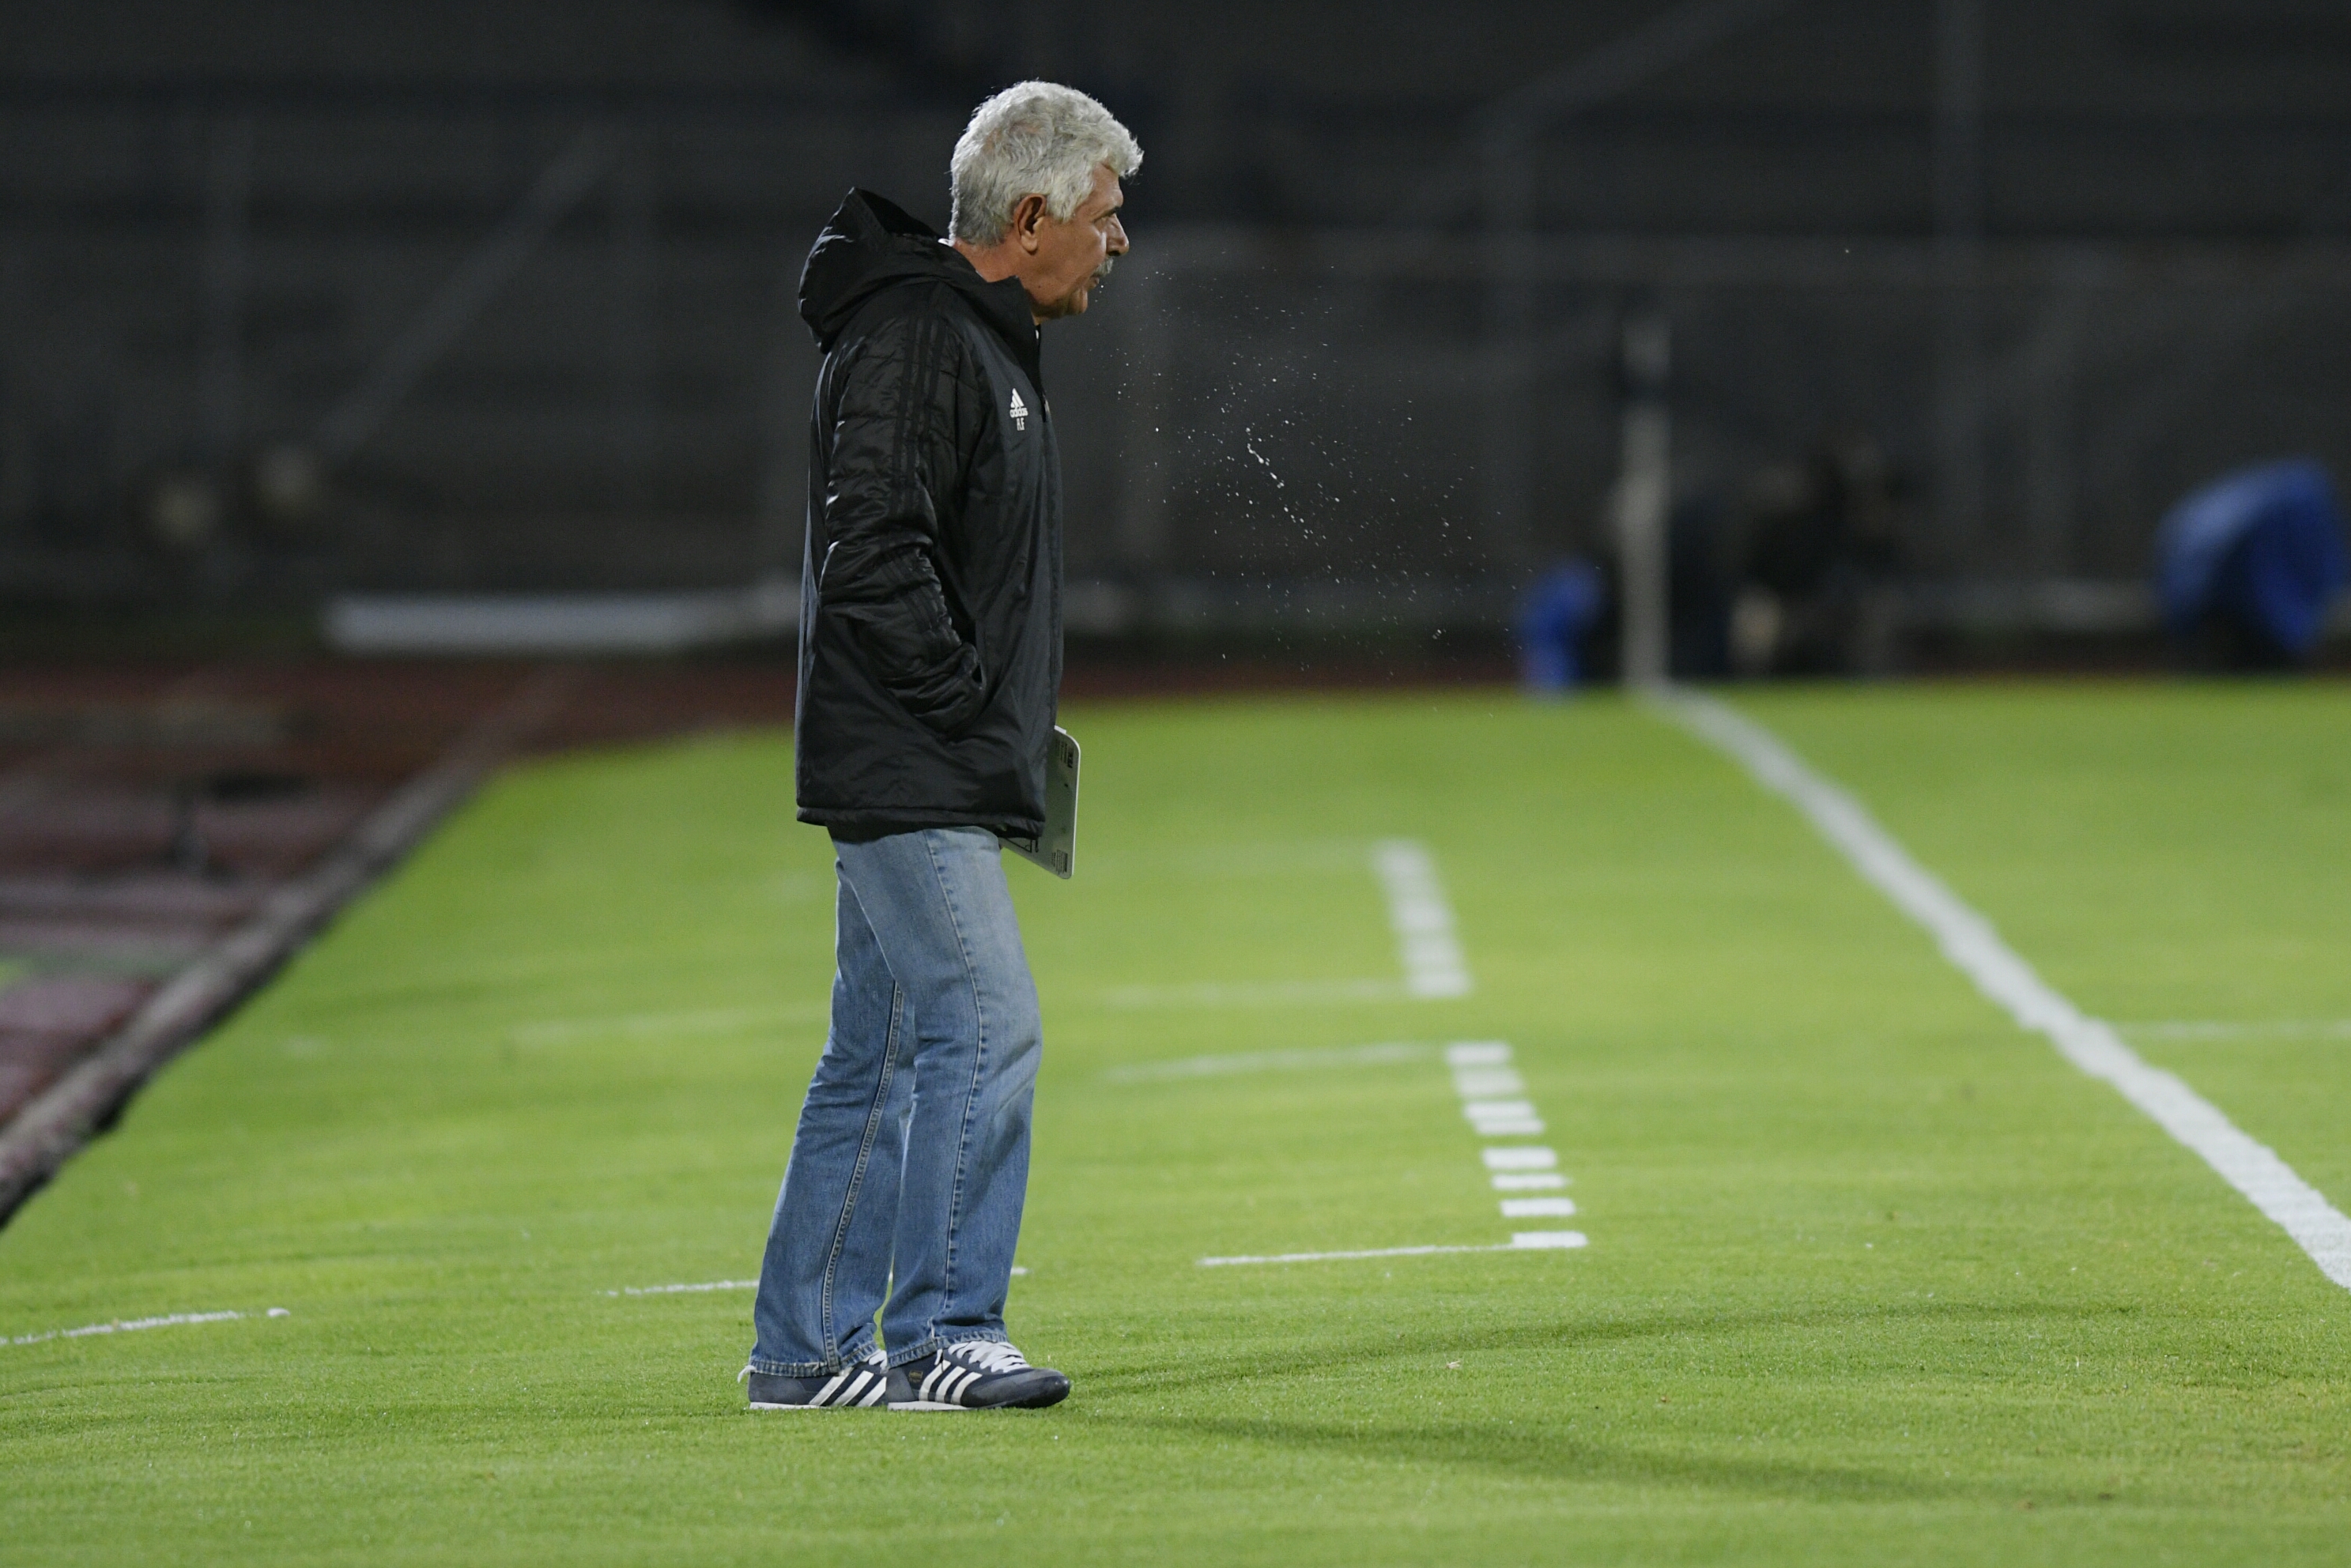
{"type": "Point", "coordinates": [930, 666]}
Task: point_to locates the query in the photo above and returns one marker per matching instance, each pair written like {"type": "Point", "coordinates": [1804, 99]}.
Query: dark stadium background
{"type": "Point", "coordinates": [2040, 269]}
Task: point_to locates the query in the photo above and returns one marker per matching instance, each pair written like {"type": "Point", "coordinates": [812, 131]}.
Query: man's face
{"type": "Point", "coordinates": [1071, 257]}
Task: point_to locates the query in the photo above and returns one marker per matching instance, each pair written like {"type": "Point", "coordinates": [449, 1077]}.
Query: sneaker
{"type": "Point", "coordinates": [862, 1385]}
{"type": "Point", "coordinates": [976, 1375]}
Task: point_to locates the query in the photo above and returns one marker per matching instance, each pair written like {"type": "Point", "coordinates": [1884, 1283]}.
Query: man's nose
{"type": "Point", "coordinates": [1117, 237]}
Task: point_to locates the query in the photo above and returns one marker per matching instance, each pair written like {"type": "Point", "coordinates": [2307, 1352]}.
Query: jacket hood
{"type": "Point", "coordinates": [871, 244]}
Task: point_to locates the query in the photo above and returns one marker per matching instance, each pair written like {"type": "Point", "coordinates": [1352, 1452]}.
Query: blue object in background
{"type": "Point", "coordinates": [2260, 550]}
{"type": "Point", "coordinates": [1560, 612]}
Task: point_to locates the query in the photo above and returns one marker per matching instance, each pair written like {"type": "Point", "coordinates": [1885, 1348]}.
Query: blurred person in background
{"type": "Point", "coordinates": [1816, 592]}
{"type": "Point", "coordinates": [929, 672]}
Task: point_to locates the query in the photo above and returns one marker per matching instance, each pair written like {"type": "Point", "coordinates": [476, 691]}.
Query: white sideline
{"type": "Point", "coordinates": [706, 1285]}
{"type": "Point", "coordinates": [1305, 1059]}
{"type": "Point", "coordinates": [1971, 944]}
{"type": "Point", "coordinates": [169, 1319]}
{"type": "Point", "coordinates": [685, 1289]}
{"type": "Point", "coordinates": [1524, 1242]}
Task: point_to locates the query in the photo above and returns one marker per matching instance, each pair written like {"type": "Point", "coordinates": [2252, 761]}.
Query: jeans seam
{"type": "Point", "coordinates": [857, 1175]}
{"type": "Point", "coordinates": [979, 1071]}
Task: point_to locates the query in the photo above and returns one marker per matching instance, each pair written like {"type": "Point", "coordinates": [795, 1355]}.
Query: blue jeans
{"type": "Point", "coordinates": [911, 1161]}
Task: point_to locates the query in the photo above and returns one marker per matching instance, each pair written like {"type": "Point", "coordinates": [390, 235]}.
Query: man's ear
{"type": "Point", "coordinates": [1026, 215]}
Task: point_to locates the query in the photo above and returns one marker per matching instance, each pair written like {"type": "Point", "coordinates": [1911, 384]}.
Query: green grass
{"type": "Point", "coordinates": [1874, 1276]}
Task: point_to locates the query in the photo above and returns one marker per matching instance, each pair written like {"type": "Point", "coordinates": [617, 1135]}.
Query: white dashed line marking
{"type": "Point", "coordinates": [1426, 947]}
{"type": "Point", "coordinates": [1422, 920]}
{"type": "Point", "coordinates": [1481, 1068]}
{"type": "Point", "coordinates": [1493, 1094]}
{"type": "Point", "coordinates": [1478, 1066]}
{"type": "Point", "coordinates": [1503, 1118]}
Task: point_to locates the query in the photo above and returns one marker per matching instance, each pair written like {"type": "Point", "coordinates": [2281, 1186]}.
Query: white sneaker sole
{"type": "Point", "coordinates": [928, 1405]}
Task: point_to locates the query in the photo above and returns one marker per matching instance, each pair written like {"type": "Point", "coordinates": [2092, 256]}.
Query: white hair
{"type": "Point", "coordinates": [1038, 139]}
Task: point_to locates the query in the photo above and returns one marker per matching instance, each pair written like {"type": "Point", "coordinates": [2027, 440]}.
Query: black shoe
{"type": "Point", "coordinates": [863, 1386]}
{"type": "Point", "coordinates": [976, 1375]}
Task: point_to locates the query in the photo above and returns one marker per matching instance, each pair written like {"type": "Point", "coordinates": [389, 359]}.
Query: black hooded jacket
{"type": "Point", "coordinates": [931, 588]}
